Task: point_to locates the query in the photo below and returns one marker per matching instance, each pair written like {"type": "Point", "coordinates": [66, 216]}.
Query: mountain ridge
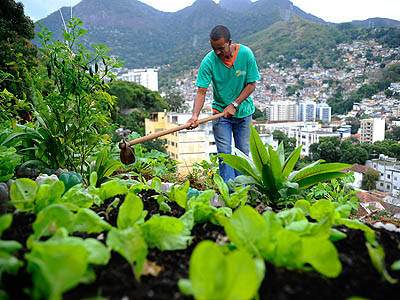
{"type": "Point", "coordinates": [143, 36]}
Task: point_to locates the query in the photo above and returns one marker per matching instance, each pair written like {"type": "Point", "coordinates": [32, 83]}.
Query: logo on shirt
{"type": "Point", "coordinates": [240, 73]}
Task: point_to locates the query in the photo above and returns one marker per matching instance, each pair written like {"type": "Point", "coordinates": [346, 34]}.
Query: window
{"type": "Point", "coordinates": [388, 176]}
{"type": "Point", "coordinates": [388, 186]}
{"type": "Point", "coordinates": [381, 184]}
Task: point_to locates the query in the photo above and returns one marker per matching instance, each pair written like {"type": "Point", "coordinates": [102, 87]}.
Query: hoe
{"type": "Point", "coordinates": [127, 154]}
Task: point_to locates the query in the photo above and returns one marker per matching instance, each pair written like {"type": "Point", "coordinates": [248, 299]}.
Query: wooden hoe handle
{"type": "Point", "coordinates": [171, 130]}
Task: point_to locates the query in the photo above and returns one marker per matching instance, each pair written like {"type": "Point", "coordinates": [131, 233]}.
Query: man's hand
{"type": "Point", "coordinates": [229, 111]}
{"type": "Point", "coordinates": [193, 122]}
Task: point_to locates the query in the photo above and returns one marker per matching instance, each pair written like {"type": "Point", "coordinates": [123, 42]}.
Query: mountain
{"type": "Point", "coordinates": [144, 37]}
{"type": "Point", "coordinates": [377, 22]}
{"type": "Point", "coordinates": [235, 5]}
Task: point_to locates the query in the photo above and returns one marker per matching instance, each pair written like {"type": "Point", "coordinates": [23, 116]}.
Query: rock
{"type": "Point", "coordinates": [390, 227]}
{"type": "Point", "coordinates": [379, 225]}
{"type": "Point", "coordinates": [4, 197]}
{"type": "Point", "coordinates": [43, 177]}
{"type": "Point", "coordinates": [9, 183]}
{"type": "Point", "coordinates": [59, 171]}
{"type": "Point", "coordinates": [27, 172]}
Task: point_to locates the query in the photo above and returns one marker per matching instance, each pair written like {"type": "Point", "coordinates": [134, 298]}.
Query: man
{"type": "Point", "coordinates": [233, 71]}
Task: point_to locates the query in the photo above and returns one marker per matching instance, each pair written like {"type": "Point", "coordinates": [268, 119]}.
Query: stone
{"type": "Point", "coordinates": [390, 227]}
{"type": "Point", "coordinates": [4, 197]}
{"type": "Point", "coordinates": [379, 225]}
{"type": "Point", "coordinates": [43, 177]}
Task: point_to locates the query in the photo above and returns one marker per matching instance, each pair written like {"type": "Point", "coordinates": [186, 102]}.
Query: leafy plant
{"type": "Point", "coordinates": [233, 275]}
{"type": "Point", "coordinates": [63, 262]}
{"type": "Point", "coordinates": [239, 197]}
{"type": "Point", "coordinates": [203, 173]}
{"type": "Point", "coordinates": [286, 239]}
{"type": "Point", "coordinates": [104, 166]}
{"type": "Point", "coordinates": [10, 104]}
{"type": "Point", "coordinates": [74, 114]}
{"type": "Point", "coordinates": [273, 175]}
{"type": "Point", "coordinates": [198, 208]}
{"type": "Point", "coordinates": [8, 161]}
{"type": "Point", "coordinates": [152, 162]}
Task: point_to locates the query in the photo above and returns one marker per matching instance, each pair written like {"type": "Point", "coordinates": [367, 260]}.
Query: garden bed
{"type": "Point", "coordinates": [116, 281]}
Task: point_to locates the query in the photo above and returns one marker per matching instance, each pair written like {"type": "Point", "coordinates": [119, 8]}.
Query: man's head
{"type": "Point", "coordinates": [220, 40]}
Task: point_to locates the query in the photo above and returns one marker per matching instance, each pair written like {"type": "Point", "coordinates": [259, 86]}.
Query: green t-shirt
{"type": "Point", "coordinates": [228, 83]}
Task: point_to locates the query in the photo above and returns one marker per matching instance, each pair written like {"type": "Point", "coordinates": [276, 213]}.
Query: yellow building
{"type": "Point", "coordinates": [185, 146]}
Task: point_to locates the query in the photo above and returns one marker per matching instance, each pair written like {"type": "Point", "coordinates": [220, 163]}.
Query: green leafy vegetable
{"type": "Point", "coordinates": [131, 245]}
{"type": "Point", "coordinates": [56, 268]}
{"type": "Point", "coordinates": [165, 233]}
{"type": "Point", "coordinates": [235, 275]}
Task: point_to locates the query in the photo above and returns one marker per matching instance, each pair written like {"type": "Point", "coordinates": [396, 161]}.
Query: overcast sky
{"type": "Point", "coordinates": [330, 10]}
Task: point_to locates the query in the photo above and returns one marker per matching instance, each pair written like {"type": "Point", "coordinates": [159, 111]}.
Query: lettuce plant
{"type": "Point", "coordinates": [286, 239]}
{"type": "Point", "coordinates": [234, 275]}
{"type": "Point", "coordinates": [239, 197]}
{"type": "Point", "coordinates": [273, 175]}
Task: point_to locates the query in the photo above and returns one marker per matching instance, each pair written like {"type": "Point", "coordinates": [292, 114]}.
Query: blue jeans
{"type": "Point", "coordinates": [223, 129]}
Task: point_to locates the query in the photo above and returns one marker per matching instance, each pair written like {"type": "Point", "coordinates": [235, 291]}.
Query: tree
{"type": "Point", "coordinates": [17, 54]}
{"type": "Point", "coordinates": [396, 133]}
{"type": "Point", "coordinates": [369, 180]}
{"type": "Point", "coordinates": [327, 148]}
{"type": "Point", "coordinates": [289, 144]}
{"type": "Point", "coordinates": [175, 101]}
{"type": "Point", "coordinates": [354, 155]}
{"type": "Point", "coordinates": [259, 115]}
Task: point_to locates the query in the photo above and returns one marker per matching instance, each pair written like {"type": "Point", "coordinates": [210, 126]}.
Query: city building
{"type": "Point", "coordinates": [281, 111]}
{"type": "Point", "coordinates": [146, 77]}
{"type": "Point", "coordinates": [324, 112]}
{"type": "Point", "coordinates": [344, 131]}
{"type": "Point", "coordinates": [307, 111]}
{"type": "Point", "coordinates": [307, 135]}
{"type": "Point", "coordinates": [372, 130]}
{"type": "Point", "coordinates": [389, 169]}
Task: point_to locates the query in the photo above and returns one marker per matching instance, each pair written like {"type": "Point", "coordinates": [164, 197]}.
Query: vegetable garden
{"type": "Point", "coordinates": [84, 226]}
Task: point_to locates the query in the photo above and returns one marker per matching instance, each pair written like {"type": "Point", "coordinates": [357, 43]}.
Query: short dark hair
{"type": "Point", "coordinates": [220, 31]}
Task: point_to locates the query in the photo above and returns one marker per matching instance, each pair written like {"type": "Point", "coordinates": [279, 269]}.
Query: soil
{"type": "Point", "coordinates": [116, 280]}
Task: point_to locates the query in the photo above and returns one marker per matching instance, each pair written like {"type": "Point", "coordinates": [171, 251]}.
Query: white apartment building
{"type": "Point", "coordinates": [307, 111]}
{"type": "Point", "coordinates": [307, 135]}
{"type": "Point", "coordinates": [372, 130]}
{"type": "Point", "coordinates": [389, 169]}
{"type": "Point", "coordinates": [146, 77]}
{"type": "Point", "coordinates": [324, 112]}
{"type": "Point", "coordinates": [281, 111]}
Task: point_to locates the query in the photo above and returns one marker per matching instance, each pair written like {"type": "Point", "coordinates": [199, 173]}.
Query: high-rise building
{"type": "Point", "coordinates": [324, 112]}
{"type": "Point", "coordinates": [307, 110]}
{"type": "Point", "coordinates": [281, 111]}
{"type": "Point", "coordinates": [372, 130]}
{"type": "Point", "coordinates": [146, 77]}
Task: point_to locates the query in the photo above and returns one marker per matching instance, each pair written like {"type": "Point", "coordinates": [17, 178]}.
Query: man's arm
{"type": "Point", "coordinates": [230, 110]}
{"type": "Point", "coordinates": [198, 105]}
